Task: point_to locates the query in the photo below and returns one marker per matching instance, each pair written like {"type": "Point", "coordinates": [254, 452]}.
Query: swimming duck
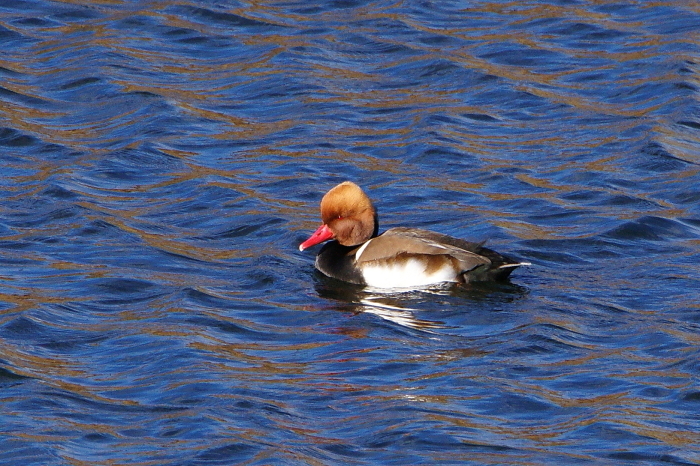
{"type": "Point", "coordinates": [398, 258]}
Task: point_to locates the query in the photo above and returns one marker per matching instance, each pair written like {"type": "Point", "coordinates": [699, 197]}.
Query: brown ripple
{"type": "Point", "coordinates": [204, 71]}
{"type": "Point", "coordinates": [636, 414]}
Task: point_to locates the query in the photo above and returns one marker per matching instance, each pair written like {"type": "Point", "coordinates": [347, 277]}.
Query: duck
{"type": "Point", "coordinates": [401, 257]}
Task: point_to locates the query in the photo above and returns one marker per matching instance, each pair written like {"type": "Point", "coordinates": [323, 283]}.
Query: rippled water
{"type": "Point", "coordinates": [161, 161]}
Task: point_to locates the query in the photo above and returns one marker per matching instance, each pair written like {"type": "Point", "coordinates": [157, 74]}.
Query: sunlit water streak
{"type": "Point", "coordinates": [161, 161]}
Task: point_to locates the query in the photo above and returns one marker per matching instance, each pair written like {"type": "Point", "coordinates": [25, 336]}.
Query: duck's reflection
{"type": "Point", "coordinates": [402, 306]}
{"type": "Point", "coordinates": [387, 305]}
{"type": "Point", "coordinates": [398, 315]}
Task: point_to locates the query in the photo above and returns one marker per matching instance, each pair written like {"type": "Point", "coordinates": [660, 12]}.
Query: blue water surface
{"type": "Point", "coordinates": [161, 161]}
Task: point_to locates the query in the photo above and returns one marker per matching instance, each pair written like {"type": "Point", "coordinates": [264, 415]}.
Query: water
{"type": "Point", "coordinates": [161, 162]}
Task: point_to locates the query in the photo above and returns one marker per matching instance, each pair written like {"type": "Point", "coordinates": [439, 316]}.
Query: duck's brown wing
{"type": "Point", "coordinates": [471, 261]}
{"type": "Point", "coordinates": [402, 243]}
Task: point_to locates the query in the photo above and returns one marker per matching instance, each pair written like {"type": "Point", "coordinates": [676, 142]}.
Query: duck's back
{"type": "Point", "coordinates": [470, 261]}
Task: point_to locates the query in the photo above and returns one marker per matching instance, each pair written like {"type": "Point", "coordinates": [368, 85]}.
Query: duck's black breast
{"type": "Point", "coordinates": [337, 261]}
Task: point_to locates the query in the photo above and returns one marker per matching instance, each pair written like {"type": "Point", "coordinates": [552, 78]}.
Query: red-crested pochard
{"type": "Point", "coordinates": [398, 258]}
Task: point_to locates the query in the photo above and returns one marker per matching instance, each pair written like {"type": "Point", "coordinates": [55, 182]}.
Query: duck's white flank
{"type": "Point", "coordinates": [408, 274]}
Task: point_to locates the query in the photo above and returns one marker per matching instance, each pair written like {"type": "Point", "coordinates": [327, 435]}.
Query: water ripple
{"type": "Point", "coordinates": [162, 160]}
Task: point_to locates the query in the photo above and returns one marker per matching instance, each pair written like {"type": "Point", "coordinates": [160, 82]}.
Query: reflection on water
{"type": "Point", "coordinates": [161, 161]}
{"type": "Point", "coordinates": [402, 306]}
{"type": "Point", "coordinates": [386, 305]}
{"type": "Point", "coordinates": [398, 315]}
